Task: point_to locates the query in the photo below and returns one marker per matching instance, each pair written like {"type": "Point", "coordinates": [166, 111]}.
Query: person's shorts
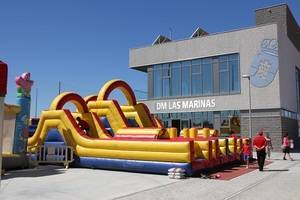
{"type": "Point", "coordinates": [246, 157]}
{"type": "Point", "coordinates": [286, 150]}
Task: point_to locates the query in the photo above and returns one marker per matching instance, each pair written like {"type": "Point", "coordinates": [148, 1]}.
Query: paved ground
{"type": "Point", "coordinates": [280, 180]}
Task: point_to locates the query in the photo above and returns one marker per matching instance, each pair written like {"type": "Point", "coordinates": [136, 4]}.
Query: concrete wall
{"type": "Point", "coordinates": [273, 123]}
{"type": "Point", "coordinates": [289, 46]}
{"type": "Point", "coordinates": [284, 18]}
{"type": "Point", "coordinates": [268, 120]}
{"type": "Point", "coordinates": [289, 58]}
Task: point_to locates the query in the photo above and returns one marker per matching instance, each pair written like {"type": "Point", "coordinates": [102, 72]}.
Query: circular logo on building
{"type": "Point", "coordinates": [265, 64]}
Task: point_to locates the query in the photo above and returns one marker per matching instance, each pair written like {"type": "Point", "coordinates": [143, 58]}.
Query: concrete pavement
{"type": "Point", "coordinates": [280, 180]}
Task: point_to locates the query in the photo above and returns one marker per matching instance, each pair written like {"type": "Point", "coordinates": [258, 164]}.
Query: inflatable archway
{"type": "Point", "coordinates": [117, 84]}
{"type": "Point", "coordinates": [89, 98]}
{"type": "Point", "coordinates": [59, 102]}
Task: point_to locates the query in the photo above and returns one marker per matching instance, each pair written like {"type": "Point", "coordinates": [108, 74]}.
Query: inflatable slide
{"type": "Point", "coordinates": [113, 142]}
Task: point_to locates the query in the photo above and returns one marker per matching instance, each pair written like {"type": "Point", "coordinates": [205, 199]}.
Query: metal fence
{"type": "Point", "coordinates": [49, 154]}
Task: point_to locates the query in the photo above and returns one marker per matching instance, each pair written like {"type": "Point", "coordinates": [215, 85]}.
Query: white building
{"type": "Point", "coordinates": [198, 81]}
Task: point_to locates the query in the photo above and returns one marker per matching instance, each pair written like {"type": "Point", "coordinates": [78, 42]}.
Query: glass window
{"type": "Point", "coordinates": [157, 77]}
{"type": "Point", "coordinates": [165, 116]}
{"type": "Point", "coordinates": [298, 88]}
{"type": "Point", "coordinates": [210, 119]}
{"type": "Point", "coordinates": [224, 75]}
{"type": "Point", "coordinates": [185, 124]}
{"type": "Point", "coordinates": [175, 115]}
{"type": "Point", "coordinates": [197, 119]}
{"type": "Point", "coordinates": [234, 75]}
{"type": "Point", "coordinates": [233, 57]}
{"type": "Point", "coordinates": [196, 77]}
{"type": "Point", "coordinates": [186, 78]}
{"type": "Point", "coordinates": [166, 80]}
{"type": "Point", "coordinates": [207, 75]}
{"type": "Point", "coordinates": [150, 82]}
{"type": "Point", "coordinates": [229, 74]}
{"type": "Point", "coordinates": [230, 122]}
{"type": "Point", "coordinates": [176, 79]}
{"type": "Point", "coordinates": [186, 115]}
{"type": "Point", "coordinates": [196, 66]}
{"type": "Point", "coordinates": [207, 119]}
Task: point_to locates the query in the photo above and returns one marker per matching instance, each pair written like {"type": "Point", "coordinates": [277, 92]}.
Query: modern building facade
{"type": "Point", "coordinates": [198, 82]}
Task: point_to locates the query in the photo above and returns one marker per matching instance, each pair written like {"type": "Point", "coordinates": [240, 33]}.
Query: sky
{"type": "Point", "coordinates": [85, 43]}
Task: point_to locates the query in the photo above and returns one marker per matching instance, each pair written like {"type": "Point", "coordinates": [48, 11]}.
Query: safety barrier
{"type": "Point", "coordinates": [48, 154]}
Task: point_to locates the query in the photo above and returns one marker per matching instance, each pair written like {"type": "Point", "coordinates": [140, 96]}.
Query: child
{"type": "Point", "coordinates": [286, 146]}
{"type": "Point", "coordinates": [247, 152]}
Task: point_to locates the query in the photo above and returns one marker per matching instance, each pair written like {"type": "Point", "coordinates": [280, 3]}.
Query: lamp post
{"type": "Point", "coordinates": [247, 76]}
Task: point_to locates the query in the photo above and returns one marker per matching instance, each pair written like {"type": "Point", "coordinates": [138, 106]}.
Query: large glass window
{"type": "Point", "coordinates": [207, 74]}
{"type": "Point", "coordinates": [176, 79]}
{"type": "Point", "coordinates": [196, 77]}
{"type": "Point", "coordinates": [233, 62]}
{"type": "Point", "coordinates": [229, 74]}
{"type": "Point", "coordinates": [223, 74]}
{"type": "Point", "coordinates": [157, 79]}
{"type": "Point", "coordinates": [186, 78]}
{"type": "Point", "coordinates": [166, 80]}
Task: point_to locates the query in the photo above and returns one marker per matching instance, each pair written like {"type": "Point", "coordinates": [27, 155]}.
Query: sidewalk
{"type": "Point", "coordinates": [280, 180]}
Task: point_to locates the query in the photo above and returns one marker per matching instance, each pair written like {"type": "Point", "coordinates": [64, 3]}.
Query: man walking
{"type": "Point", "coordinates": [260, 144]}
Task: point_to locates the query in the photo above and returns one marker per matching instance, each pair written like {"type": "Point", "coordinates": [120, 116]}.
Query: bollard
{"type": "Point", "coordinates": [193, 132]}
{"type": "Point", "coordinates": [172, 132]}
{"type": "Point", "coordinates": [206, 132]}
{"type": "Point", "coordinates": [185, 133]}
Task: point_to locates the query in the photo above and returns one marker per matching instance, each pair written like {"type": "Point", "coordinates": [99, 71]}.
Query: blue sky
{"type": "Point", "coordinates": [83, 44]}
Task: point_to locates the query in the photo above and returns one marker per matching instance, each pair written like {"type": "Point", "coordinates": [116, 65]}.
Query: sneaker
{"type": "Point", "coordinates": [284, 158]}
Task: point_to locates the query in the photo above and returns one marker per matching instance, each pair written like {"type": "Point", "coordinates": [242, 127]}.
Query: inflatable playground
{"type": "Point", "coordinates": [125, 137]}
{"type": "Point", "coordinates": [14, 121]}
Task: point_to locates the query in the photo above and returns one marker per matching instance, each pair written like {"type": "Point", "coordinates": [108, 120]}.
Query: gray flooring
{"type": "Point", "coordinates": [280, 180]}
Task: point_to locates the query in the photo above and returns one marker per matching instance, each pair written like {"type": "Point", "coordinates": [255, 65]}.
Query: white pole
{"type": "Point", "coordinates": [250, 111]}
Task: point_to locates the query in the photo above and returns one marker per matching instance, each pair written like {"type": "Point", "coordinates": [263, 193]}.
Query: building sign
{"type": "Point", "coordinates": [265, 64]}
{"type": "Point", "coordinates": [185, 104]}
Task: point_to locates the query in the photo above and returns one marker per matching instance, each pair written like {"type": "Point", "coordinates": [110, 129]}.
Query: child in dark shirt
{"type": "Point", "coordinates": [83, 125]}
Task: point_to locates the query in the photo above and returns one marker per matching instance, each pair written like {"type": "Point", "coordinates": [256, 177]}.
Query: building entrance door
{"type": "Point", "coordinates": [176, 124]}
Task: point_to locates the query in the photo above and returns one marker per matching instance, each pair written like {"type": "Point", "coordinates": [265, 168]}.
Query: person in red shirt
{"type": "Point", "coordinates": [286, 143]}
{"type": "Point", "coordinates": [83, 125]}
{"type": "Point", "coordinates": [260, 144]}
{"type": "Point", "coordinates": [247, 152]}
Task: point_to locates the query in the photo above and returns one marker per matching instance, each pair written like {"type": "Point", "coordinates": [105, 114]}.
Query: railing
{"type": "Point", "coordinates": [51, 154]}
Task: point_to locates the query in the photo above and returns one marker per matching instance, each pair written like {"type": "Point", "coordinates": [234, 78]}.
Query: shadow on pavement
{"type": "Point", "coordinates": [285, 160]}
{"type": "Point", "coordinates": [276, 170]}
{"type": "Point", "coordinates": [36, 172]}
